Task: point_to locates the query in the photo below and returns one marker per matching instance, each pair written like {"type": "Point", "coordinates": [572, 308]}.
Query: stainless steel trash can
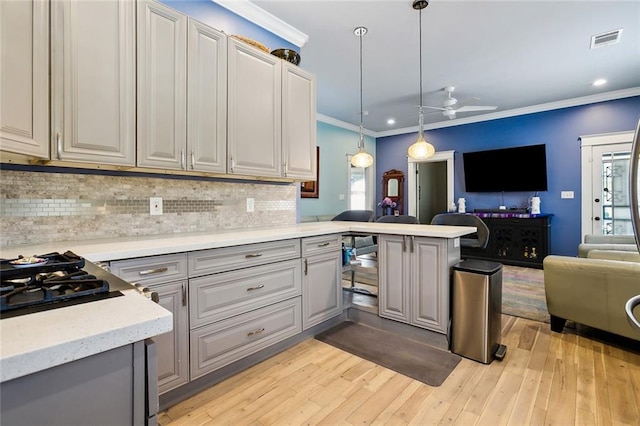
{"type": "Point", "coordinates": [476, 307]}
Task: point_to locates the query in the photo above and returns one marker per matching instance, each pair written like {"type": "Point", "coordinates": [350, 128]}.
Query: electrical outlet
{"type": "Point", "coordinates": [341, 197]}
{"type": "Point", "coordinates": [250, 205]}
{"type": "Point", "coordinates": [155, 206]}
{"type": "Point", "coordinates": [566, 194]}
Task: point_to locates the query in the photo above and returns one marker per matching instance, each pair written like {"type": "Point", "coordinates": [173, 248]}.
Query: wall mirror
{"type": "Point", "coordinates": [393, 187]}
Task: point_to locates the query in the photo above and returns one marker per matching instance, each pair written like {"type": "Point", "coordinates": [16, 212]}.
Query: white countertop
{"type": "Point", "coordinates": [130, 247]}
{"type": "Point", "coordinates": [34, 342]}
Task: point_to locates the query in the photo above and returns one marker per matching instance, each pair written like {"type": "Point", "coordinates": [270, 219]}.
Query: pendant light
{"type": "Point", "coordinates": [420, 149]}
{"type": "Point", "coordinates": [362, 158]}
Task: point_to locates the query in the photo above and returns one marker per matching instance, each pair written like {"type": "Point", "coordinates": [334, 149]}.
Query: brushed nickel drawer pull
{"type": "Point", "coordinates": [59, 145]}
{"type": "Point", "coordinates": [184, 294]}
{"type": "Point", "coordinates": [249, 256]}
{"type": "Point", "coordinates": [253, 333]}
{"type": "Point", "coordinates": [154, 271]}
{"type": "Point", "coordinates": [256, 287]}
{"type": "Point", "coordinates": [324, 244]}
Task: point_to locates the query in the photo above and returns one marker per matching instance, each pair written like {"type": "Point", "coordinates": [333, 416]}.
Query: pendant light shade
{"type": "Point", "coordinates": [421, 149]}
{"type": "Point", "coordinates": [362, 158]}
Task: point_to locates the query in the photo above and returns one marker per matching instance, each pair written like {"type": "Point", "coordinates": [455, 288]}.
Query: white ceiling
{"type": "Point", "coordinates": [512, 54]}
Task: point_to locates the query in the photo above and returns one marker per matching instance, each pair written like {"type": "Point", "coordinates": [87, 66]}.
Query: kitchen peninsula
{"type": "Point", "coordinates": [289, 251]}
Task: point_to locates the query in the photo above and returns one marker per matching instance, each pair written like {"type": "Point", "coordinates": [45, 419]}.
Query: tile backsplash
{"type": "Point", "coordinates": [39, 207]}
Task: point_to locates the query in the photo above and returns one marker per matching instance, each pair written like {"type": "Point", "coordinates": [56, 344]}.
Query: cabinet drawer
{"type": "Point", "coordinates": [226, 341]}
{"type": "Point", "coordinates": [152, 270]}
{"type": "Point", "coordinates": [228, 258]}
{"type": "Point", "coordinates": [322, 244]}
{"type": "Point", "coordinates": [219, 296]}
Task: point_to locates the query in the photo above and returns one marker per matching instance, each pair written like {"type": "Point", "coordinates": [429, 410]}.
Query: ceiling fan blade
{"type": "Point", "coordinates": [470, 108]}
{"type": "Point", "coordinates": [432, 107]}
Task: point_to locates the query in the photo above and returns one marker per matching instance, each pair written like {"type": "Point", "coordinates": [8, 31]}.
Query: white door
{"type": "Point", "coordinates": [605, 184]}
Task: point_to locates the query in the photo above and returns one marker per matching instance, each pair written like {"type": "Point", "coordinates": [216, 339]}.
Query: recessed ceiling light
{"type": "Point", "coordinates": [391, 121]}
{"type": "Point", "coordinates": [599, 82]}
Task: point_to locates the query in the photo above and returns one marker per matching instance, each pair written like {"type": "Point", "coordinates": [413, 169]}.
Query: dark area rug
{"type": "Point", "coordinates": [400, 354]}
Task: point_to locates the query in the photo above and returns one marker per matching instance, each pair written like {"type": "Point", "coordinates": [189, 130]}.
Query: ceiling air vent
{"type": "Point", "coordinates": [605, 39]}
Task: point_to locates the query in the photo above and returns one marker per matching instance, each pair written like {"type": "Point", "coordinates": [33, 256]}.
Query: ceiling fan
{"type": "Point", "coordinates": [451, 106]}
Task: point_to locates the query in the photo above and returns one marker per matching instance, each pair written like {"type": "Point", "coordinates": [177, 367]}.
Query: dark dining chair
{"type": "Point", "coordinates": [403, 218]}
{"type": "Point", "coordinates": [356, 216]}
{"type": "Point", "coordinates": [478, 239]}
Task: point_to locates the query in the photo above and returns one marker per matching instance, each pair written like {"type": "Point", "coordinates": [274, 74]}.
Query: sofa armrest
{"type": "Point", "coordinates": [592, 291]}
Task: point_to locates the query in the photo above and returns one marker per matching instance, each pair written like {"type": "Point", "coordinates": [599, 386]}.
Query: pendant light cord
{"type": "Point", "coordinates": [360, 142]}
{"type": "Point", "coordinates": [420, 56]}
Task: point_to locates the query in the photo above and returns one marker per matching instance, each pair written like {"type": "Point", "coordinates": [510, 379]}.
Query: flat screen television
{"type": "Point", "coordinates": [516, 169]}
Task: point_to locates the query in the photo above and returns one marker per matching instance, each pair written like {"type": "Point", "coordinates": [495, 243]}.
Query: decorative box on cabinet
{"type": "Point", "coordinates": [93, 75]}
{"type": "Point", "coordinates": [520, 241]}
{"type": "Point", "coordinates": [166, 275]}
{"type": "Point", "coordinates": [24, 126]}
{"type": "Point", "coordinates": [414, 279]}
{"type": "Point", "coordinates": [321, 281]}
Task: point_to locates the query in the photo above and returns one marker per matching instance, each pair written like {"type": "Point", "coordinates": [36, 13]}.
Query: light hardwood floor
{"type": "Point", "coordinates": [545, 378]}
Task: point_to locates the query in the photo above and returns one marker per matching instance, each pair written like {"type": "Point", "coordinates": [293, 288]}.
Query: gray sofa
{"type": "Point", "coordinates": [592, 291]}
{"type": "Point", "coordinates": [607, 242]}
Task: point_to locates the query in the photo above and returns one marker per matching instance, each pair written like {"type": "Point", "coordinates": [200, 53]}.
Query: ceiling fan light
{"type": "Point", "coordinates": [421, 149]}
{"type": "Point", "coordinates": [362, 159]}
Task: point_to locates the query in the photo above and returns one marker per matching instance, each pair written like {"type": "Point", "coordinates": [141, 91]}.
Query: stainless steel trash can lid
{"type": "Point", "coordinates": [476, 266]}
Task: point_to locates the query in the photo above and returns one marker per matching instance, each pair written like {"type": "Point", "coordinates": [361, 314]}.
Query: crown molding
{"type": "Point", "coordinates": [567, 103]}
{"type": "Point", "coordinates": [269, 22]}
{"type": "Point", "coordinates": [344, 125]}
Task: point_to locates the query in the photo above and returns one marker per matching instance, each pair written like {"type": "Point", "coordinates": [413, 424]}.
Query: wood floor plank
{"type": "Point", "coordinates": [372, 407]}
{"type": "Point", "coordinates": [623, 408]}
{"type": "Point", "coordinates": [546, 378]}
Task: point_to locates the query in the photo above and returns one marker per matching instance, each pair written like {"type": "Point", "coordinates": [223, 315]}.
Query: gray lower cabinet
{"type": "Point", "coordinates": [103, 389]}
{"type": "Point", "coordinates": [173, 346]}
{"type": "Point", "coordinates": [414, 279]}
{"type": "Point", "coordinates": [218, 344]}
{"type": "Point", "coordinates": [166, 275]}
{"type": "Point", "coordinates": [219, 296]}
{"type": "Point", "coordinates": [321, 280]}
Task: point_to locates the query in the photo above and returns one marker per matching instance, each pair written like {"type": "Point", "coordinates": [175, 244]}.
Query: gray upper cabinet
{"type": "Point", "coordinates": [24, 77]}
{"type": "Point", "coordinates": [298, 122]}
{"type": "Point", "coordinates": [162, 86]}
{"type": "Point", "coordinates": [254, 111]}
{"type": "Point", "coordinates": [207, 99]}
{"type": "Point", "coordinates": [93, 81]}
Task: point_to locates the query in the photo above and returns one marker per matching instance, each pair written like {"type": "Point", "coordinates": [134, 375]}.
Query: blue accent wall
{"type": "Point", "coordinates": [216, 16]}
{"type": "Point", "coordinates": [558, 129]}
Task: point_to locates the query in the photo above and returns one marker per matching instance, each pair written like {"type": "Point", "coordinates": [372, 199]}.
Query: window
{"type": "Point", "coordinates": [360, 187]}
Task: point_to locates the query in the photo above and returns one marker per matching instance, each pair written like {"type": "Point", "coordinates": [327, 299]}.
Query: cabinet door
{"type": "Point", "coordinates": [173, 349]}
{"type": "Point", "coordinates": [162, 88]}
{"type": "Point", "coordinates": [24, 77]}
{"type": "Point", "coordinates": [394, 277]}
{"type": "Point", "coordinates": [254, 111]}
{"type": "Point", "coordinates": [93, 79]}
{"type": "Point", "coordinates": [207, 98]}
{"type": "Point", "coordinates": [321, 288]}
{"type": "Point", "coordinates": [298, 122]}
{"type": "Point", "coordinates": [429, 282]}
